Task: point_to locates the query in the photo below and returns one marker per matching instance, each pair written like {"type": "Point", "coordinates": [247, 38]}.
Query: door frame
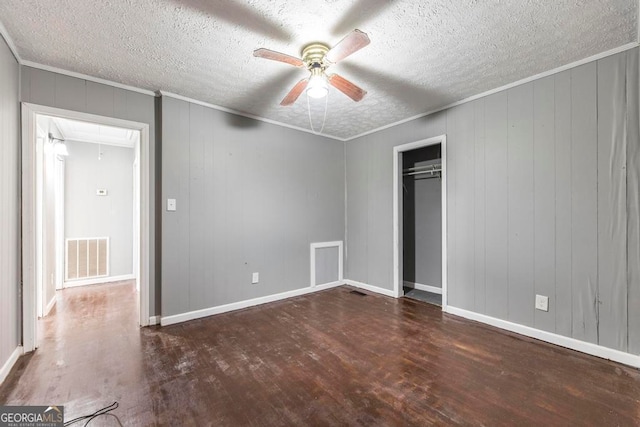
{"type": "Point", "coordinates": [397, 212]}
{"type": "Point", "coordinates": [29, 303]}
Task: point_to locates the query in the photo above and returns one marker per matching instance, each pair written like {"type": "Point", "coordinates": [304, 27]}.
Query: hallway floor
{"type": "Point", "coordinates": [328, 358]}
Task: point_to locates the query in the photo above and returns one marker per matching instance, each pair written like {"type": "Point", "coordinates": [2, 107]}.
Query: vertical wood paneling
{"type": "Point", "coordinates": [216, 176]}
{"type": "Point", "coordinates": [175, 225]}
{"type": "Point", "coordinates": [563, 251]}
{"type": "Point", "coordinates": [544, 152]}
{"type": "Point", "coordinates": [479, 205]}
{"type": "Point", "coordinates": [496, 175]}
{"type": "Point", "coordinates": [198, 216]}
{"type": "Point", "coordinates": [584, 189]}
{"type": "Point", "coordinates": [380, 211]}
{"type": "Point", "coordinates": [612, 196]}
{"type": "Point", "coordinates": [42, 87]}
{"type": "Point", "coordinates": [100, 99]}
{"type": "Point", "coordinates": [542, 209]}
{"type": "Point", "coordinates": [10, 205]}
{"type": "Point", "coordinates": [633, 201]}
{"type": "Point", "coordinates": [464, 196]}
{"type": "Point", "coordinates": [357, 213]}
{"type": "Point", "coordinates": [520, 202]}
{"type": "Point", "coordinates": [70, 93]}
{"type": "Point", "coordinates": [453, 287]}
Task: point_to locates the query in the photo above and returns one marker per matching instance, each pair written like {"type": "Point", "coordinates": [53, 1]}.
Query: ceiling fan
{"type": "Point", "coordinates": [316, 58]}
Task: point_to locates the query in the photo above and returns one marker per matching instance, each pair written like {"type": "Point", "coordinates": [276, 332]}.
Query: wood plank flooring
{"type": "Point", "coordinates": [329, 358]}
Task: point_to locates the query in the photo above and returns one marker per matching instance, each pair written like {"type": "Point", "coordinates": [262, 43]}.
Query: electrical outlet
{"type": "Point", "coordinates": [101, 192]}
{"type": "Point", "coordinates": [542, 303]}
{"type": "Point", "coordinates": [255, 278]}
{"type": "Point", "coordinates": [171, 205]}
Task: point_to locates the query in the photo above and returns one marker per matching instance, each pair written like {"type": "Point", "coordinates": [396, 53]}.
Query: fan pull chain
{"type": "Point", "coordinates": [326, 103]}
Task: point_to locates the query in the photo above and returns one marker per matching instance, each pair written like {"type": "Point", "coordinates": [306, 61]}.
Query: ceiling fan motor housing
{"type": "Point", "coordinates": [313, 56]}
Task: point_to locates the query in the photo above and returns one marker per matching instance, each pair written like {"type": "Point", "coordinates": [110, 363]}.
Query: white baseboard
{"type": "Point", "coordinates": [154, 320]}
{"type": "Point", "coordinates": [197, 314]}
{"type": "Point", "coordinates": [49, 306]}
{"type": "Point", "coordinates": [421, 287]}
{"type": "Point", "coordinates": [6, 368]}
{"type": "Point", "coordinates": [376, 289]}
{"type": "Point", "coordinates": [550, 337]}
{"type": "Point", "coordinates": [97, 280]}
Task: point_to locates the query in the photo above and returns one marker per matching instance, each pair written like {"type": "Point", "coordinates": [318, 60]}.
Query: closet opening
{"type": "Point", "coordinates": [420, 221]}
{"type": "Point", "coordinates": [422, 224]}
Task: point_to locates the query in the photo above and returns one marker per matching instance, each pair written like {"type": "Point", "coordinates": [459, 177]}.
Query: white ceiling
{"type": "Point", "coordinates": [424, 54]}
{"type": "Point", "coordinates": [74, 130]}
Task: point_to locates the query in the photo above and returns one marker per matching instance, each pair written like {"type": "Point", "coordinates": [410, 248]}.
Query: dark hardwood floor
{"type": "Point", "coordinates": [329, 358]}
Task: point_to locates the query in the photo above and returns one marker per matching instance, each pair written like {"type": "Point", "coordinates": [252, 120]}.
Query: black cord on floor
{"type": "Point", "coordinates": [104, 411]}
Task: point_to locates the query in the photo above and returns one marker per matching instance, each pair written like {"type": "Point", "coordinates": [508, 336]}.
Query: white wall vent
{"type": "Point", "coordinates": [86, 258]}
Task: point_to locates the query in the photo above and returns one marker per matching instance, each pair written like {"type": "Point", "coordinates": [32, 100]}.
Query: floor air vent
{"type": "Point", "coordinates": [362, 294]}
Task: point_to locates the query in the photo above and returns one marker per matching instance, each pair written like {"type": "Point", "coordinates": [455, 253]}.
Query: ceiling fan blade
{"type": "Point", "coordinates": [295, 92]}
{"type": "Point", "coordinates": [352, 42]}
{"type": "Point", "coordinates": [277, 56]}
{"type": "Point", "coordinates": [345, 86]}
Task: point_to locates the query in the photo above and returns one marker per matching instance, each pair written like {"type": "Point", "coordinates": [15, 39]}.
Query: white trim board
{"type": "Point", "coordinates": [8, 365]}
{"type": "Point", "coordinates": [421, 287]}
{"type": "Point", "coordinates": [154, 320]}
{"type": "Point", "coordinates": [28, 126]}
{"type": "Point", "coordinates": [571, 343]}
{"type": "Point", "coordinates": [97, 280]}
{"type": "Point", "coordinates": [371, 288]}
{"type": "Point", "coordinates": [12, 47]}
{"type": "Point", "coordinates": [247, 115]}
{"type": "Point", "coordinates": [206, 312]}
{"type": "Point", "coordinates": [560, 69]}
{"type": "Point", "coordinates": [49, 306]}
{"type": "Point", "coordinates": [86, 77]}
{"type": "Point", "coordinates": [397, 211]}
{"type": "Point", "coordinates": [312, 259]}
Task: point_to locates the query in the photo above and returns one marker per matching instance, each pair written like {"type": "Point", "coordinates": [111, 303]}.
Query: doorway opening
{"type": "Point", "coordinates": [420, 221]}
{"type": "Point", "coordinates": [85, 209]}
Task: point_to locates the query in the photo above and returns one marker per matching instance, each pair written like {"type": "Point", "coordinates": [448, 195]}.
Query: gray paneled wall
{"type": "Point", "coordinates": [57, 90]}
{"type": "Point", "coordinates": [542, 199]}
{"type": "Point", "coordinates": [10, 205]}
{"type": "Point", "coordinates": [251, 197]}
{"type": "Point", "coordinates": [88, 215]}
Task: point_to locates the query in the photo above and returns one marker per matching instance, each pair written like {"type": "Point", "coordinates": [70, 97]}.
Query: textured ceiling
{"type": "Point", "coordinates": [424, 54]}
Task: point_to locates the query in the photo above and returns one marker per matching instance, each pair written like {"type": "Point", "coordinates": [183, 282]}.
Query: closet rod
{"type": "Point", "coordinates": [426, 167]}
{"type": "Point", "coordinates": [430, 172]}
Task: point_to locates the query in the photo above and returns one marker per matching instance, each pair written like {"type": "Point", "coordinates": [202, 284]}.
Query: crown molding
{"type": "Point", "coordinates": [247, 115]}
{"type": "Point", "coordinates": [574, 64]}
{"type": "Point", "coordinates": [86, 77]}
{"type": "Point", "coordinates": [12, 47]}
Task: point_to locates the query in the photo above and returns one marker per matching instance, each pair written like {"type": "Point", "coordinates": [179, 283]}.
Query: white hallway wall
{"type": "Point", "coordinates": [89, 215]}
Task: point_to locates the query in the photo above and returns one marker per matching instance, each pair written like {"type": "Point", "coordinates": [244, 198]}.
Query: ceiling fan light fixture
{"type": "Point", "coordinates": [317, 87]}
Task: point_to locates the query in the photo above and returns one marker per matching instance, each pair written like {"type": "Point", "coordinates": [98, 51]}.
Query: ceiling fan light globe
{"type": "Point", "coordinates": [317, 92]}
{"type": "Point", "coordinates": [317, 87]}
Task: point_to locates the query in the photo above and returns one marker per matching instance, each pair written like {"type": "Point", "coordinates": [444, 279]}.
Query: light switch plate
{"type": "Point", "coordinates": [542, 303]}
{"type": "Point", "coordinates": [171, 205]}
{"type": "Point", "coordinates": [255, 278]}
{"type": "Point", "coordinates": [101, 192]}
